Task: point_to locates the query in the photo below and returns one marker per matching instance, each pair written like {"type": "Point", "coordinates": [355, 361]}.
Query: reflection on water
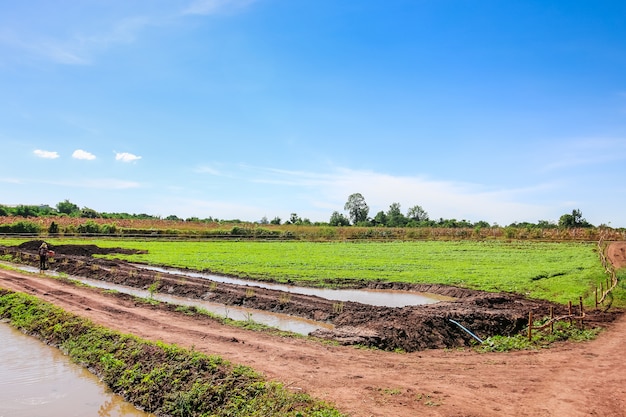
{"type": "Point", "coordinates": [280, 321]}
{"type": "Point", "coordinates": [37, 380]}
{"type": "Point", "coordinates": [384, 298]}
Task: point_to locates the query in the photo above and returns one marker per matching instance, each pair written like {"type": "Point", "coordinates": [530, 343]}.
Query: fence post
{"type": "Point", "coordinates": [530, 326]}
{"type": "Point", "coordinates": [569, 305]}
{"type": "Point", "coordinates": [551, 318]}
{"type": "Point", "coordinates": [582, 325]}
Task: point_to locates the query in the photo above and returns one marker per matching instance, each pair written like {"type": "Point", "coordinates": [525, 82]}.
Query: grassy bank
{"type": "Point", "coordinates": [159, 378]}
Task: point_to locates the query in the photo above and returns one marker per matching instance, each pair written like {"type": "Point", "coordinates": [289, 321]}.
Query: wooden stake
{"type": "Point", "coordinates": [551, 317]}
{"type": "Point", "coordinates": [582, 325]}
{"type": "Point", "coordinates": [570, 312]}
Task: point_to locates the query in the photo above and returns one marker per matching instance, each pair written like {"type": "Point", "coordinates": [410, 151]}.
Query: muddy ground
{"type": "Point", "coordinates": [573, 379]}
{"type": "Point", "coordinates": [409, 328]}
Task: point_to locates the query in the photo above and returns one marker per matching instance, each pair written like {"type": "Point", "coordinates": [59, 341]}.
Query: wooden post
{"type": "Point", "coordinates": [530, 326]}
{"type": "Point", "coordinates": [551, 318]}
{"type": "Point", "coordinates": [596, 297]}
{"type": "Point", "coordinates": [570, 311]}
{"type": "Point", "coordinates": [582, 325]}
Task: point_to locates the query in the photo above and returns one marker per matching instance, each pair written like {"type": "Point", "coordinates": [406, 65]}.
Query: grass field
{"type": "Point", "coordinates": [555, 271]}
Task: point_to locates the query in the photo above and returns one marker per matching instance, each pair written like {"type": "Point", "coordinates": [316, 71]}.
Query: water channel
{"type": "Point", "coordinates": [383, 298]}
{"type": "Point", "coordinates": [388, 298]}
{"type": "Point", "coordinates": [37, 380]}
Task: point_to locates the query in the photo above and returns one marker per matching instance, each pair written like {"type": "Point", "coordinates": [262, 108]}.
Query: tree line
{"type": "Point", "coordinates": [356, 209]}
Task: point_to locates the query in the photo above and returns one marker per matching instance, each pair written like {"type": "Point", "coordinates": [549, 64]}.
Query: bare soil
{"type": "Point", "coordinates": [435, 376]}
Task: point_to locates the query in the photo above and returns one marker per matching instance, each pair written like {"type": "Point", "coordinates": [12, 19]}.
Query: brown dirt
{"type": "Point", "coordinates": [575, 379]}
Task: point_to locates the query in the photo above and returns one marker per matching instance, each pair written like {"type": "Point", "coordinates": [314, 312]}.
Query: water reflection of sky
{"type": "Point", "coordinates": [384, 298]}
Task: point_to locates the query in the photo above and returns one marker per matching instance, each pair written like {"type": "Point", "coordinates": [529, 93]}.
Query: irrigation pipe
{"type": "Point", "coordinates": [470, 333]}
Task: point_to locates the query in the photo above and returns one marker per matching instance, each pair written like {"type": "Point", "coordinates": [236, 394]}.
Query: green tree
{"type": "Point", "coordinates": [294, 219]}
{"type": "Point", "coordinates": [66, 207]}
{"type": "Point", "coordinates": [417, 213]}
{"type": "Point", "coordinates": [357, 208]}
{"type": "Point", "coordinates": [573, 220]}
{"type": "Point", "coordinates": [380, 219]}
{"type": "Point", "coordinates": [395, 218]}
{"type": "Point", "coordinates": [338, 219]}
{"type": "Point", "coordinates": [89, 213]}
{"type": "Point", "coordinates": [276, 220]}
{"type": "Point", "coordinates": [26, 211]}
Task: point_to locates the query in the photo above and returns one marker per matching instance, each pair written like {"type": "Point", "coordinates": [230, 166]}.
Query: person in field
{"type": "Point", "coordinates": [43, 256]}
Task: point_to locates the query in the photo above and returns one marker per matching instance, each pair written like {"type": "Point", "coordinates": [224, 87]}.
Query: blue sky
{"type": "Point", "coordinates": [475, 110]}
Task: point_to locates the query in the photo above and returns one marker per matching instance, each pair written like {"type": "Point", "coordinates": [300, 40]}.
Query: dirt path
{"type": "Point", "coordinates": [583, 379]}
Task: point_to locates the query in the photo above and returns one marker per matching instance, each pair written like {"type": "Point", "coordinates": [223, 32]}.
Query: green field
{"type": "Point", "coordinates": [559, 272]}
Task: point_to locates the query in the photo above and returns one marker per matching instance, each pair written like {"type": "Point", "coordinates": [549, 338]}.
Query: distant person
{"type": "Point", "coordinates": [43, 256]}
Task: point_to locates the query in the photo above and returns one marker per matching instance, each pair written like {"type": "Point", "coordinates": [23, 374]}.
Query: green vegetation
{"type": "Point", "coordinates": [160, 378]}
{"type": "Point", "coordinates": [540, 339]}
{"type": "Point", "coordinates": [559, 272]}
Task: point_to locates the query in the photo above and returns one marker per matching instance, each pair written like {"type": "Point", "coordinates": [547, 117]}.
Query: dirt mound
{"type": "Point", "coordinates": [408, 328]}
{"type": "Point", "coordinates": [77, 250]}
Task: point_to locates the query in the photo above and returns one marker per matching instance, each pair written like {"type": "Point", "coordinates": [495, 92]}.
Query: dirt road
{"type": "Point", "coordinates": [583, 379]}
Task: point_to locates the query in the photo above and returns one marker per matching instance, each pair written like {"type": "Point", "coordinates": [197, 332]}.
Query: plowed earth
{"type": "Point", "coordinates": [574, 379]}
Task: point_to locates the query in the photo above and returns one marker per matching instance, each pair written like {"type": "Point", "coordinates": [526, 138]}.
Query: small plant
{"type": "Point", "coordinates": [249, 293]}
{"type": "Point", "coordinates": [152, 289]}
{"type": "Point", "coordinates": [284, 298]}
{"type": "Point", "coordinates": [338, 308]}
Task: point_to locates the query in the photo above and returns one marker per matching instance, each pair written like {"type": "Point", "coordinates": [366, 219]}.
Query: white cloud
{"type": "Point", "coordinates": [208, 7]}
{"type": "Point", "coordinates": [446, 199]}
{"type": "Point", "coordinates": [126, 157]}
{"type": "Point", "coordinates": [46, 154]}
{"type": "Point", "coordinates": [80, 154]}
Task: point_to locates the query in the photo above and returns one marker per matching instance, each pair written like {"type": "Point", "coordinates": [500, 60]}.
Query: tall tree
{"type": "Point", "coordinates": [357, 208]}
{"type": "Point", "coordinates": [67, 207]}
{"type": "Point", "coordinates": [417, 213]}
{"type": "Point", "coordinates": [395, 218]}
{"type": "Point", "coordinates": [573, 220]}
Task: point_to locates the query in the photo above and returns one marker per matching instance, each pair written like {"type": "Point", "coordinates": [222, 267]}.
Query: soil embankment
{"type": "Point", "coordinates": [571, 379]}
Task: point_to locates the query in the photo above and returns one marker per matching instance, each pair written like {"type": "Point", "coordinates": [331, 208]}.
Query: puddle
{"type": "Point", "coordinates": [39, 380]}
{"type": "Point", "coordinates": [383, 298]}
{"type": "Point", "coordinates": [280, 321]}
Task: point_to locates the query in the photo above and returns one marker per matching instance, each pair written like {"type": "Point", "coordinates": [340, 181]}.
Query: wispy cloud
{"type": "Point", "coordinates": [84, 155]}
{"type": "Point", "coordinates": [209, 7]}
{"type": "Point", "coordinates": [126, 157]}
{"type": "Point", "coordinates": [79, 48]}
{"type": "Point", "coordinates": [205, 169]}
{"type": "Point", "coordinates": [98, 183]}
{"type": "Point", "coordinates": [46, 154]}
{"type": "Point", "coordinates": [589, 151]}
{"type": "Point", "coordinates": [447, 199]}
